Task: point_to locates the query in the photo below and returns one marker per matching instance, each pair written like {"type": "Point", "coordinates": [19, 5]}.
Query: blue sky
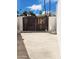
{"type": "Point", "coordinates": [35, 5]}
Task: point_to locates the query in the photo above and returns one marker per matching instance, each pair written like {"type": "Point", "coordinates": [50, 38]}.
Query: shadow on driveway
{"type": "Point", "coordinates": [21, 50]}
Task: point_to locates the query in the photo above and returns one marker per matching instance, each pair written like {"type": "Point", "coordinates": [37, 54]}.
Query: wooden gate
{"type": "Point", "coordinates": [32, 23]}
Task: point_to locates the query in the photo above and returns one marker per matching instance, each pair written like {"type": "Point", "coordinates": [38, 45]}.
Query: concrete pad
{"type": "Point", "coordinates": [41, 45]}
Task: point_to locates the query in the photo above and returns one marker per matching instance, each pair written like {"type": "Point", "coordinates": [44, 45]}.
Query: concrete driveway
{"type": "Point", "coordinates": [41, 45]}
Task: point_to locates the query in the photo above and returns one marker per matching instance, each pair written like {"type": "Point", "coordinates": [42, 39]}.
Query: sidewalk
{"type": "Point", "coordinates": [21, 50]}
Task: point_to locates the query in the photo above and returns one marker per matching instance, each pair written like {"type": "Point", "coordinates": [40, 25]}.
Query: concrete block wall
{"type": "Point", "coordinates": [19, 24]}
{"type": "Point", "coordinates": [52, 25]}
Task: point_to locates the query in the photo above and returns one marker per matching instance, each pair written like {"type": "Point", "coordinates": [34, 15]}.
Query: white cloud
{"type": "Point", "coordinates": [35, 7]}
